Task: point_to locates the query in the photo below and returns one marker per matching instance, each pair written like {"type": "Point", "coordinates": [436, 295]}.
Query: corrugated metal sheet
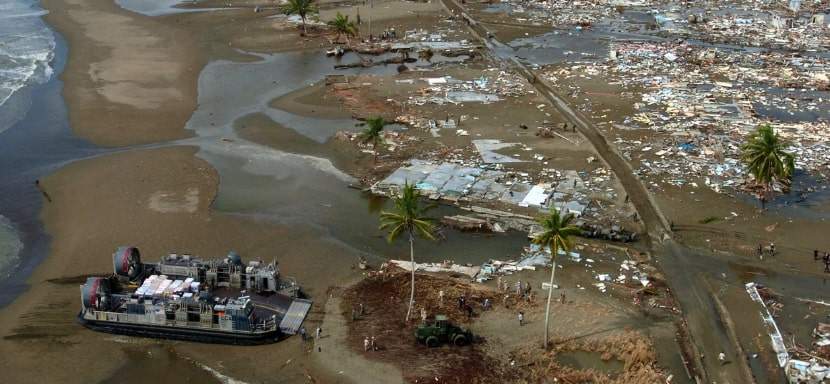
{"type": "Point", "coordinates": [295, 316]}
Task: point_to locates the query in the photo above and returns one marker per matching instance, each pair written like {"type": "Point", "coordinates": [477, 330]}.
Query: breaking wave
{"type": "Point", "coordinates": [27, 46]}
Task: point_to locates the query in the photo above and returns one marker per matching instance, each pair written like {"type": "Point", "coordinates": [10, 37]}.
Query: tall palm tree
{"type": "Point", "coordinates": [300, 7]}
{"type": "Point", "coordinates": [765, 158]}
{"type": "Point", "coordinates": [344, 27]}
{"type": "Point", "coordinates": [373, 133]}
{"type": "Point", "coordinates": [408, 217]}
{"type": "Point", "coordinates": [557, 233]}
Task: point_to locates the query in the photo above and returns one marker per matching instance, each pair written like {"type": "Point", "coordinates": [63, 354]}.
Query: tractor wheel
{"type": "Point", "coordinates": [432, 342]}
{"type": "Point", "coordinates": [460, 340]}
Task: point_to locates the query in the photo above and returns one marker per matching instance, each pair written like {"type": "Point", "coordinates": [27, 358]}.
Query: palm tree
{"type": "Point", "coordinates": [373, 133]}
{"type": "Point", "coordinates": [343, 26]}
{"type": "Point", "coordinates": [408, 218]}
{"type": "Point", "coordinates": [765, 158]}
{"type": "Point", "coordinates": [556, 234]}
{"type": "Point", "coordinates": [300, 7]}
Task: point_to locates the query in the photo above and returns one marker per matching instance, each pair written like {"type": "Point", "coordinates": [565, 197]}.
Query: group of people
{"type": "Point", "coordinates": [769, 250]}
{"type": "Point", "coordinates": [823, 256]}
{"type": "Point", "coordinates": [369, 344]}
{"type": "Point", "coordinates": [522, 289]}
{"type": "Point", "coordinates": [465, 306]}
{"type": "Point", "coordinates": [304, 335]}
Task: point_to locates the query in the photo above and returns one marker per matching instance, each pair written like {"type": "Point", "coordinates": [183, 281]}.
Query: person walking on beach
{"type": "Point", "coordinates": [771, 249]}
{"type": "Point", "coordinates": [319, 332]}
{"type": "Point", "coordinates": [373, 346]}
{"type": "Point", "coordinates": [366, 344]}
{"type": "Point", "coordinates": [487, 304]}
{"type": "Point", "coordinates": [42, 191]}
{"type": "Point", "coordinates": [827, 263]}
{"type": "Point", "coordinates": [521, 318]}
{"type": "Point", "coordinates": [441, 298]}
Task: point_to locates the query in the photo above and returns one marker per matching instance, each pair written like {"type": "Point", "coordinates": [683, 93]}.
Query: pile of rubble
{"type": "Point", "coordinates": [558, 13]}
{"type": "Point", "coordinates": [392, 140]}
{"type": "Point", "coordinates": [757, 23]}
{"type": "Point", "coordinates": [486, 89]}
{"type": "Point", "coordinates": [746, 24]}
{"type": "Point", "coordinates": [706, 101]}
{"type": "Point", "coordinates": [585, 195]}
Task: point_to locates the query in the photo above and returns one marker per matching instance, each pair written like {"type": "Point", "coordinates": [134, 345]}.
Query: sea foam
{"type": "Point", "coordinates": [27, 47]}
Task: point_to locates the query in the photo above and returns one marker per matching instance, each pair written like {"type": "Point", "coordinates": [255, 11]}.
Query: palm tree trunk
{"type": "Point", "coordinates": [412, 280]}
{"type": "Point", "coordinates": [550, 292]}
{"type": "Point", "coordinates": [302, 18]}
{"type": "Point", "coordinates": [764, 194]}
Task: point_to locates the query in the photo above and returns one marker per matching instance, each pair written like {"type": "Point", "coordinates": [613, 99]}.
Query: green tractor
{"type": "Point", "coordinates": [442, 331]}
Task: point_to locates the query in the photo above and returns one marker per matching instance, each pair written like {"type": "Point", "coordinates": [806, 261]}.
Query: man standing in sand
{"type": "Point", "coordinates": [521, 318]}
{"type": "Point", "coordinates": [366, 344]}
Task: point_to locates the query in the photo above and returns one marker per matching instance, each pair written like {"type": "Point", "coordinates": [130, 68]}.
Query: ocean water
{"type": "Point", "coordinates": [27, 47]}
{"type": "Point", "coordinates": [10, 246]}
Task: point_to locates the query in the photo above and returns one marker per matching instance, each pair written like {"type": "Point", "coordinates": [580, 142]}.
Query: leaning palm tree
{"type": "Point", "coordinates": [765, 158]}
{"type": "Point", "coordinates": [556, 234]}
{"type": "Point", "coordinates": [408, 217]}
{"type": "Point", "coordinates": [300, 7]}
{"type": "Point", "coordinates": [343, 27]}
{"type": "Point", "coordinates": [373, 133]}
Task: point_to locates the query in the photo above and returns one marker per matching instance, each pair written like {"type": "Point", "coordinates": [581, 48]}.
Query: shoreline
{"type": "Point", "coordinates": [115, 95]}
{"type": "Point", "coordinates": [43, 127]}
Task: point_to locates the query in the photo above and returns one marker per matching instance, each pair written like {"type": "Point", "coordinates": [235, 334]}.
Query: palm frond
{"type": "Point", "coordinates": [408, 216]}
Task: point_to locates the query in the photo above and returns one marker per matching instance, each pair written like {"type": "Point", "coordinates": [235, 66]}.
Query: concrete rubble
{"type": "Point", "coordinates": [574, 192]}
{"type": "Point", "coordinates": [756, 23]}
{"type": "Point", "coordinates": [447, 267]}
{"type": "Point", "coordinates": [488, 88]}
{"type": "Point", "coordinates": [703, 102]}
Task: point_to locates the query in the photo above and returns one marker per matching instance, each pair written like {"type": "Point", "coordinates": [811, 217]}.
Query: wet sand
{"type": "Point", "coordinates": [129, 79]}
{"type": "Point", "coordinates": [126, 200]}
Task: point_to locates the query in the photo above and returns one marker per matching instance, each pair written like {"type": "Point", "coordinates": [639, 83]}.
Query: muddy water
{"type": "Point", "coordinates": [290, 183]}
{"type": "Point", "coordinates": [590, 360]}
